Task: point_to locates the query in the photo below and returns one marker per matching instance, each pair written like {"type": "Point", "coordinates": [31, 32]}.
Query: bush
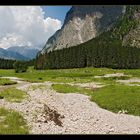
{"type": "Point", "coordinates": [20, 66]}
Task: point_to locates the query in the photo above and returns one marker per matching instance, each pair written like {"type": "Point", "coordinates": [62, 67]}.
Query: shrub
{"type": "Point", "coordinates": [20, 66]}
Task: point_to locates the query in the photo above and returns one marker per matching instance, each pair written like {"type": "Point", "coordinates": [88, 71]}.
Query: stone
{"type": "Point", "coordinates": [81, 24]}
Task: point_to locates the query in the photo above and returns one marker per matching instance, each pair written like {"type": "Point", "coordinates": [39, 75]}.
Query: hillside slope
{"type": "Point", "coordinates": [117, 47]}
{"type": "Point", "coordinates": [83, 23]}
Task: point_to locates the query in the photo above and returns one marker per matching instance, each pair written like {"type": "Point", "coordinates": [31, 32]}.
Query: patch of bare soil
{"type": "Point", "coordinates": [130, 82]}
{"type": "Point", "coordinates": [111, 75]}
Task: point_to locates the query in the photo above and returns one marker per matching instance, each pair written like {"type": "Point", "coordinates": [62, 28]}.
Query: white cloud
{"type": "Point", "coordinates": [25, 25]}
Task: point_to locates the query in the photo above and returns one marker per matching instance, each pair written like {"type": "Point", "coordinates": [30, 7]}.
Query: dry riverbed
{"type": "Point", "coordinates": [49, 112]}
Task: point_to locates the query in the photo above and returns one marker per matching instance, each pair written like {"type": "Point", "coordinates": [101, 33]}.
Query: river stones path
{"type": "Point", "coordinates": [49, 112]}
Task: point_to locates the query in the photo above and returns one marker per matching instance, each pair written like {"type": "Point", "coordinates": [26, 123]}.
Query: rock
{"type": "Point", "coordinates": [120, 112]}
{"type": "Point", "coordinates": [81, 24]}
{"type": "Point", "coordinates": [106, 124]}
{"type": "Point", "coordinates": [61, 117]}
{"type": "Point", "coordinates": [97, 119]}
{"type": "Point", "coordinates": [123, 112]}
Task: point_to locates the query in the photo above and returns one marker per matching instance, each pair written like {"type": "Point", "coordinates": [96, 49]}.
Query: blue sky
{"type": "Point", "coordinates": [57, 12]}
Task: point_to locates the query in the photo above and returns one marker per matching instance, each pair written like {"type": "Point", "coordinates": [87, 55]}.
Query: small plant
{"type": "Point", "coordinates": [20, 66]}
{"type": "Point", "coordinates": [40, 78]}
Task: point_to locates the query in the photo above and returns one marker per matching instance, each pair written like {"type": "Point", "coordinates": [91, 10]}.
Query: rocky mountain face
{"type": "Point", "coordinates": [114, 44]}
{"type": "Point", "coordinates": [132, 38]}
{"type": "Point", "coordinates": [83, 23]}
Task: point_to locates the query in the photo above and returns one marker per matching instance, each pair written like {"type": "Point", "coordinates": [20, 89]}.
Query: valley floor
{"type": "Point", "coordinates": [49, 112]}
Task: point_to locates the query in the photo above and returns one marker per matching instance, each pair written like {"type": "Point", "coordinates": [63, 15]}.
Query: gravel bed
{"type": "Point", "coordinates": [80, 115]}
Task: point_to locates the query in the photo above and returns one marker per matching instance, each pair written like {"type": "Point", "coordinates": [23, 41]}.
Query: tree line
{"type": "Point", "coordinates": [6, 63]}
{"type": "Point", "coordinates": [95, 53]}
{"type": "Point", "coordinates": [9, 63]}
{"type": "Point", "coordinates": [106, 50]}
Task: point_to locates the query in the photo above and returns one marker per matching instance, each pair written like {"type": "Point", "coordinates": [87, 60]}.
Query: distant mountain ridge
{"type": "Point", "coordinates": [19, 53]}
{"type": "Point", "coordinates": [11, 55]}
{"type": "Point", "coordinates": [28, 52]}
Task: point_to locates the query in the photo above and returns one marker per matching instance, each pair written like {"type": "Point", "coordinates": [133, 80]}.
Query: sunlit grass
{"type": "Point", "coordinates": [40, 86]}
{"type": "Point", "coordinates": [114, 96]}
{"type": "Point", "coordinates": [13, 95]}
{"type": "Point", "coordinates": [5, 81]}
{"type": "Point", "coordinates": [62, 75]}
{"type": "Point", "coordinates": [65, 88]}
{"type": "Point", "coordinates": [118, 97]}
{"type": "Point", "coordinates": [12, 122]}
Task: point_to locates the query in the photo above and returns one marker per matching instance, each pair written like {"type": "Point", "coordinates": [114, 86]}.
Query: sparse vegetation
{"type": "Point", "coordinates": [135, 83]}
{"type": "Point", "coordinates": [116, 78]}
{"type": "Point", "coordinates": [13, 95]}
{"type": "Point", "coordinates": [40, 86]}
{"type": "Point", "coordinates": [84, 75]}
{"type": "Point", "coordinates": [65, 88]}
{"type": "Point", "coordinates": [12, 122]}
{"type": "Point", "coordinates": [5, 81]}
{"type": "Point", "coordinates": [115, 97]}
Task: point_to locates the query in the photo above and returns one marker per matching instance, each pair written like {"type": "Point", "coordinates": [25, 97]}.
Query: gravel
{"type": "Point", "coordinates": [90, 85]}
{"type": "Point", "coordinates": [129, 81]}
{"type": "Point", "coordinates": [111, 75]}
{"type": "Point", "coordinates": [81, 116]}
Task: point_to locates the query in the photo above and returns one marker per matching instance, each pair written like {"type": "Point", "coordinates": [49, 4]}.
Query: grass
{"type": "Point", "coordinates": [79, 75]}
{"type": "Point", "coordinates": [114, 96]}
{"type": "Point", "coordinates": [118, 97]}
{"type": "Point", "coordinates": [5, 81]}
{"type": "Point", "coordinates": [76, 75]}
{"type": "Point", "coordinates": [116, 78]}
{"type": "Point", "coordinates": [135, 83]}
{"type": "Point", "coordinates": [40, 86]}
{"type": "Point", "coordinates": [12, 122]}
{"type": "Point", "coordinates": [65, 88]}
{"type": "Point", "coordinates": [110, 80]}
{"type": "Point", "coordinates": [133, 72]}
{"type": "Point", "coordinates": [13, 95]}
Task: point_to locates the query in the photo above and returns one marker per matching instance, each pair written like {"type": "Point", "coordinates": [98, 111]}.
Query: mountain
{"type": "Point", "coordinates": [26, 51]}
{"type": "Point", "coordinates": [83, 23]}
{"type": "Point", "coordinates": [118, 46]}
{"type": "Point", "coordinates": [11, 55]}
